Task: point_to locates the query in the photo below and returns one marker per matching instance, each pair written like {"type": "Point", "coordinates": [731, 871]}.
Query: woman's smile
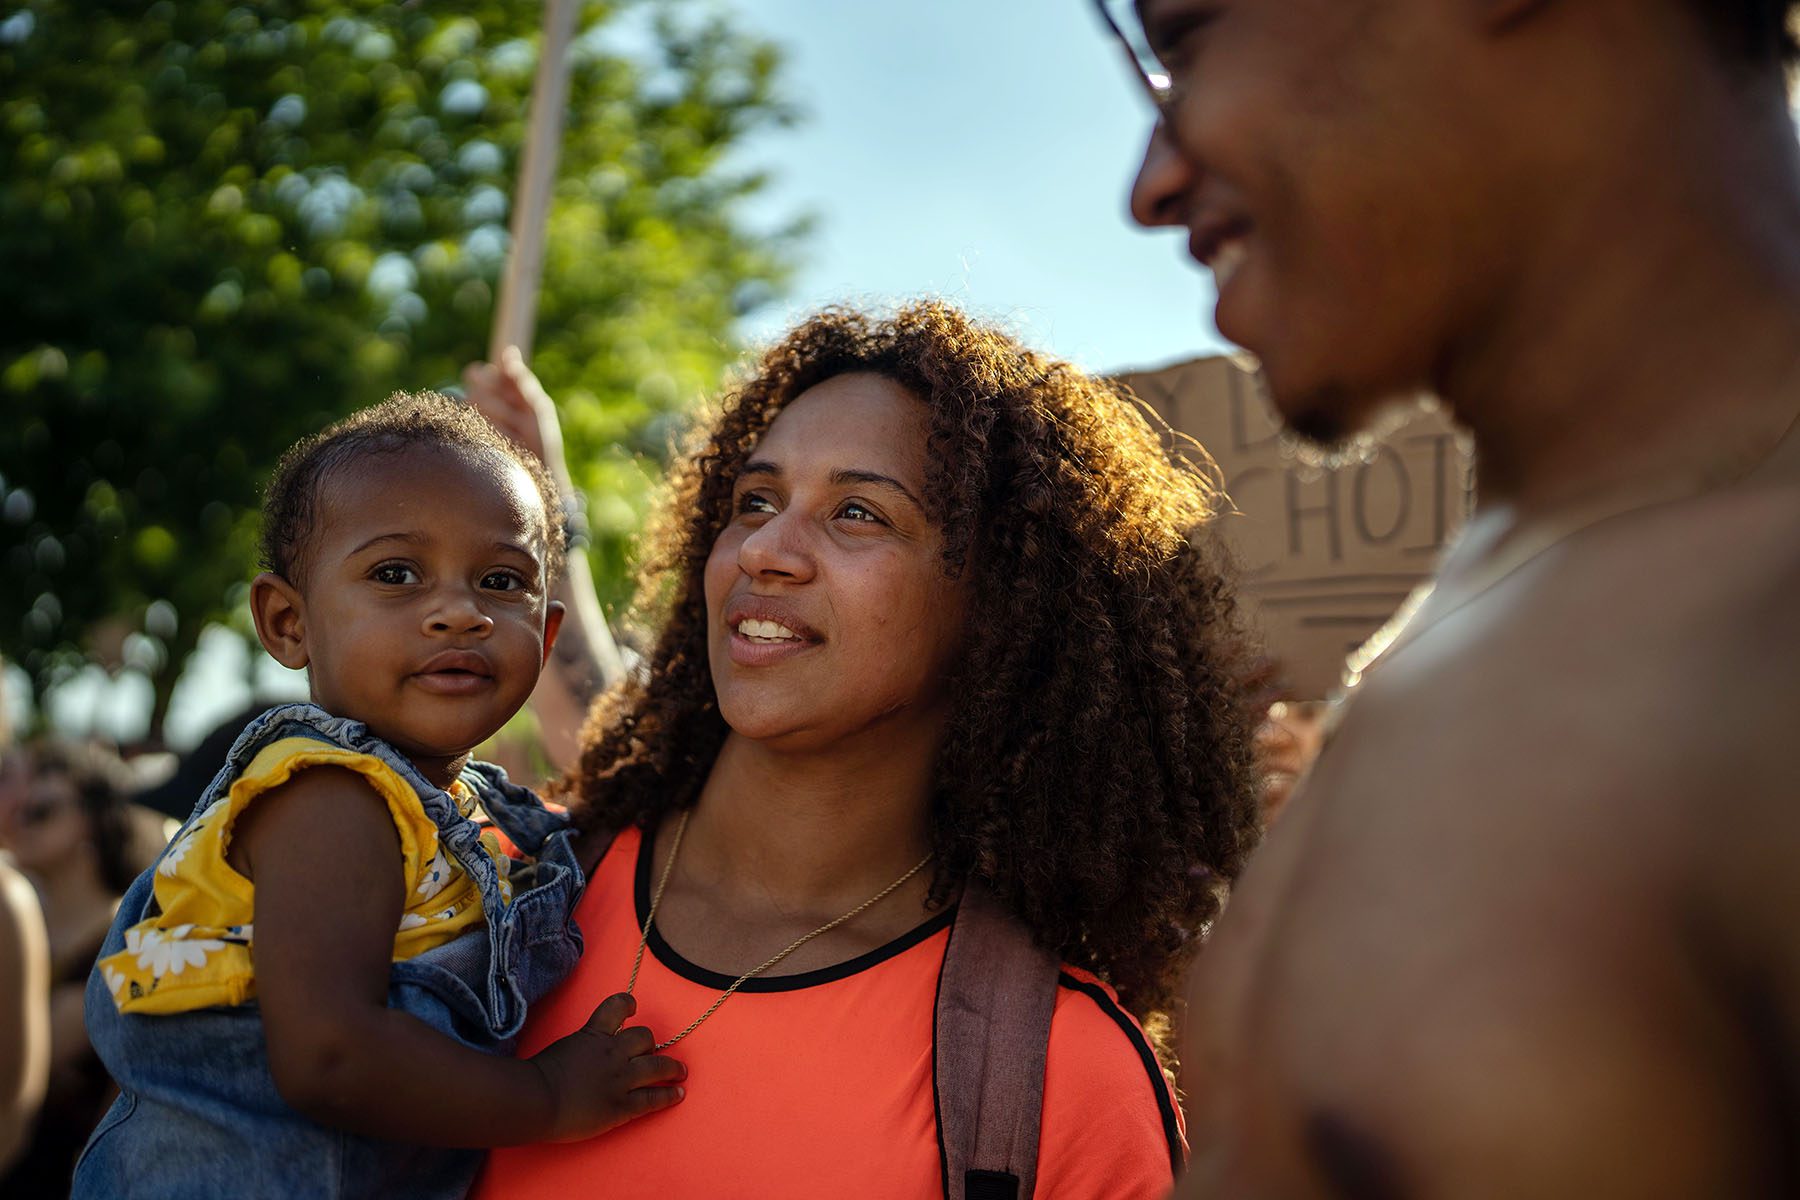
{"type": "Point", "coordinates": [751, 650]}
{"type": "Point", "coordinates": [763, 631]}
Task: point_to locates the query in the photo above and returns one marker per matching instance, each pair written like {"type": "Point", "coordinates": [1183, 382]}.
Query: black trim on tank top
{"type": "Point", "coordinates": [1164, 1101]}
{"type": "Point", "coordinates": [669, 957]}
{"type": "Point", "coordinates": [937, 1096]}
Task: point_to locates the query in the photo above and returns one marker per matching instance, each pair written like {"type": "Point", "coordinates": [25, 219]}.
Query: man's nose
{"type": "Point", "coordinates": [1163, 179]}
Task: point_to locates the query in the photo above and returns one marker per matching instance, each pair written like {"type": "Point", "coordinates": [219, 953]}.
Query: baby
{"type": "Point", "coordinates": [315, 990]}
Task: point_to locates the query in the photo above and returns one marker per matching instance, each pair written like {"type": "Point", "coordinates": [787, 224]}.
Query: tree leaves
{"type": "Point", "coordinates": [225, 224]}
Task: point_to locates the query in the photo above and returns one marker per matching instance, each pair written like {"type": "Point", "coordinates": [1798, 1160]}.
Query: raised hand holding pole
{"type": "Point", "coordinates": [585, 658]}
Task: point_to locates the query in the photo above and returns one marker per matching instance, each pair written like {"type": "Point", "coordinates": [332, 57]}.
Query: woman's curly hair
{"type": "Point", "coordinates": [1096, 767]}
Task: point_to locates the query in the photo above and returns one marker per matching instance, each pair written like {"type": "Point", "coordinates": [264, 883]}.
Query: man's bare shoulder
{"type": "Point", "coordinates": [1673, 632]}
{"type": "Point", "coordinates": [1728, 553]}
{"type": "Point", "coordinates": [1567, 813]}
{"type": "Point", "coordinates": [1728, 733]}
{"type": "Point", "coordinates": [1685, 618]}
{"type": "Point", "coordinates": [1636, 687]}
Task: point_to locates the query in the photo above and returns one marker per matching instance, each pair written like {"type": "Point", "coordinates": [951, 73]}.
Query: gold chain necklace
{"type": "Point", "coordinates": [656, 898]}
{"type": "Point", "coordinates": [1410, 622]}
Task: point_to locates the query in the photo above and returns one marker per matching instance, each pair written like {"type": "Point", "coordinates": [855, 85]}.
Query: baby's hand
{"type": "Point", "coordinates": [602, 1076]}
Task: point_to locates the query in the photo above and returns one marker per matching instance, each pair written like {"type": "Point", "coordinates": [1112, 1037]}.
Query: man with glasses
{"type": "Point", "coordinates": [1532, 928]}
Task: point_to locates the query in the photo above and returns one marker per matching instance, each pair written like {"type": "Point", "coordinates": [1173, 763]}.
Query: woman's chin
{"type": "Point", "coordinates": [767, 722]}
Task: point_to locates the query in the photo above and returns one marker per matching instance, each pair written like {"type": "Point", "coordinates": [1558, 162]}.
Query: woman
{"type": "Point", "coordinates": [66, 819]}
{"type": "Point", "coordinates": [928, 607]}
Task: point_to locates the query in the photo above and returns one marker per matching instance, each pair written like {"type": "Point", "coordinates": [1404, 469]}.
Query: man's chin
{"type": "Point", "coordinates": [1330, 426]}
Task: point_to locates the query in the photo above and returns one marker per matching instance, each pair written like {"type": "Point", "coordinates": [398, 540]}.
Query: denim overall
{"type": "Point", "coordinates": [198, 1115]}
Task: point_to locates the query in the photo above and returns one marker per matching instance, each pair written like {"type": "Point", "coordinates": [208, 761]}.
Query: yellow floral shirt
{"type": "Point", "coordinates": [196, 953]}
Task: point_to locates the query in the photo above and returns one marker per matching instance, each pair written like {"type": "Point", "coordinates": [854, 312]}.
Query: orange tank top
{"type": "Point", "coordinates": [820, 1083]}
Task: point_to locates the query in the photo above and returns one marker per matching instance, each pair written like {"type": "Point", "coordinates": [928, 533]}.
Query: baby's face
{"type": "Point", "coordinates": [424, 595]}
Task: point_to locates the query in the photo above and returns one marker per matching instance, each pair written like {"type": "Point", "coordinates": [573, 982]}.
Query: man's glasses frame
{"type": "Point", "coordinates": [1121, 17]}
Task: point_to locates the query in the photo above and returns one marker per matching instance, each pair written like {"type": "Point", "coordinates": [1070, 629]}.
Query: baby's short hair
{"type": "Point", "coordinates": [401, 422]}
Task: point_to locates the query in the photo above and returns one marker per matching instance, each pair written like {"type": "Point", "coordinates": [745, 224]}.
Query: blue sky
{"type": "Point", "coordinates": [980, 150]}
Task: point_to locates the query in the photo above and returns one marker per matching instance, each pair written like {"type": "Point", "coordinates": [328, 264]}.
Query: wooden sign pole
{"type": "Point", "coordinates": [515, 316]}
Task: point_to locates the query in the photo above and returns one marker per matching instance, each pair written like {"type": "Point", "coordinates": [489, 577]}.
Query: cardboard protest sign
{"type": "Point", "coordinates": [1326, 555]}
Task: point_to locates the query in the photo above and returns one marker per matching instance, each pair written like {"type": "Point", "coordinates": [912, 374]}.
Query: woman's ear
{"type": "Point", "coordinates": [280, 614]}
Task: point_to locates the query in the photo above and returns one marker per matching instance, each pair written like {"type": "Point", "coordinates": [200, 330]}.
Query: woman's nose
{"type": "Point", "coordinates": [777, 547]}
{"type": "Point", "coordinates": [1163, 179]}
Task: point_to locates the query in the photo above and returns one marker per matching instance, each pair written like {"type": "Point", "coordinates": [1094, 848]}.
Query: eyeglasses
{"type": "Point", "coordinates": [1121, 16]}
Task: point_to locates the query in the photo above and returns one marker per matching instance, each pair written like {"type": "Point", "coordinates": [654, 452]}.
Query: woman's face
{"type": "Point", "coordinates": [41, 821]}
{"type": "Point", "coordinates": [829, 614]}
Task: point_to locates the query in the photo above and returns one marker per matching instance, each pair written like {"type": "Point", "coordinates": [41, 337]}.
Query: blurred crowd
{"type": "Point", "coordinates": [73, 839]}
{"type": "Point", "coordinates": [78, 822]}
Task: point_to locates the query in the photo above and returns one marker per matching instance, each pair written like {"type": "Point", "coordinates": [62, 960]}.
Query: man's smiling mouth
{"type": "Point", "coordinates": [1227, 257]}
{"type": "Point", "coordinates": [1218, 243]}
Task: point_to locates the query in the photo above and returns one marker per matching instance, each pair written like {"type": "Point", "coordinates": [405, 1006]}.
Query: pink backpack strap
{"type": "Point", "coordinates": [995, 997]}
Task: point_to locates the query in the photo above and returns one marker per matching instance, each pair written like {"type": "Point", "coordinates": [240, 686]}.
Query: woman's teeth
{"type": "Point", "coordinates": [766, 631]}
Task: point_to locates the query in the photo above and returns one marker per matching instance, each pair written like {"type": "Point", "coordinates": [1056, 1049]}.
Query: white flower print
{"type": "Point", "coordinates": [411, 921]}
{"type": "Point", "coordinates": [115, 981]}
{"type": "Point", "coordinates": [169, 953]}
{"type": "Point", "coordinates": [177, 852]}
{"type": "Point", "coordinates": [436, 877]}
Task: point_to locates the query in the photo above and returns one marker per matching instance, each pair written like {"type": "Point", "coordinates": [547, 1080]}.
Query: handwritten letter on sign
{"type": "Point", "coordinates": [1326, 556]}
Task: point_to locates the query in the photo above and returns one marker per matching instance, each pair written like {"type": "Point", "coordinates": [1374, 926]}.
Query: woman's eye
{"type": "Point", "coordinates": [755, 502]}
{"type": "Point", "coordinates": [859, 512]}
{"type": "Point", "coordinates": [394, 573]}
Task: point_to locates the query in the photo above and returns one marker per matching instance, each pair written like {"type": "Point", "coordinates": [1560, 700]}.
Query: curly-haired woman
{"type": "Point", "coordinates": [927, 608]}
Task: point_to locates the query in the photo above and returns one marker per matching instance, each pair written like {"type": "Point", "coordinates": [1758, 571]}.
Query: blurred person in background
{"type": "Point", "coordinates": [24, 1010]}
{"type": "Point", "coordinates": [66, 821]}
{"type": "Point", "coordinates": [173, 796]}
{"type": "Point", "coordinates": [1290, 737]}
{"type": "Point", "coordinates": [1531, 927]}
{"type": "Point", "coordinates": [24, 982]}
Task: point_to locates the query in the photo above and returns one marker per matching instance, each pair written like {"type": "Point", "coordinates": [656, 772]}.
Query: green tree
{"type": "Point", "coordinates": [223, 224]}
